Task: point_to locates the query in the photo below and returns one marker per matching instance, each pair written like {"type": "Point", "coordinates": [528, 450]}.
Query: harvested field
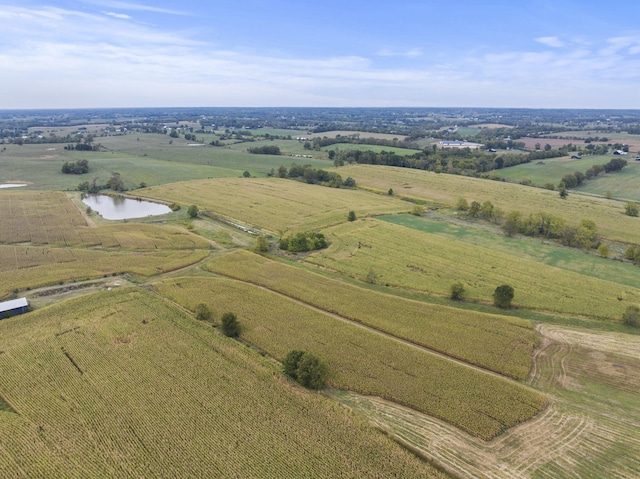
{"type": "Point", "coordinates": [590, 429]}
{"type": "Point", "coordinates": [361, 134]}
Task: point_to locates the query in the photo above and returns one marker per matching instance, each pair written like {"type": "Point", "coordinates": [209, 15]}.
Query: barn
{"type": "Point", "coordinates": [13, 307]}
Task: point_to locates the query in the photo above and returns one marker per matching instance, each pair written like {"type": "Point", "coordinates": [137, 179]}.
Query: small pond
{"type": "Point", "coordinates": [118, 208]}
{"type": "Point", "coordinates": [11, 185]}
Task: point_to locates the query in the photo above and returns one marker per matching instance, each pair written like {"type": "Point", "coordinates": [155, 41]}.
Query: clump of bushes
{"type": "Point", "coordinates": [302, 242]}
{"type": "Point", "coordinates": [306, 368]}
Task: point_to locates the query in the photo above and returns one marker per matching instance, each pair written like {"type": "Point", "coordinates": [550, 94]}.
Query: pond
{"type": "Point", "coordinates": [11, 185]}
{"type": "Point", "coordinates": [119, 208]}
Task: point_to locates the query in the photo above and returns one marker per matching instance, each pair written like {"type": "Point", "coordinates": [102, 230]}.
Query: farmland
{"type": "Point", "coordinates": [366, 361]}
{"type": "Point", "coordinates": [119, 384]}
{"type": "Point", "coordinates": [111, 375]}
{"type": "Point", "coordinates": [448, 330]}
{"type": "Point", "coordinates": [444, 190]}
{"type": "Point", "coordinates": [413, 259]}
{"type": "Point", "coordinates": [274, 204]}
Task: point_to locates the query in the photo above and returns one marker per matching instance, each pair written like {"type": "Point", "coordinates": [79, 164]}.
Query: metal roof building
{"type": "Point", "coordinates": [13, 307]}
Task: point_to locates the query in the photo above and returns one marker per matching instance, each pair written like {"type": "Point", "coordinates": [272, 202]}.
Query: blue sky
{"type": "Point", "coordinates": [121, 53]}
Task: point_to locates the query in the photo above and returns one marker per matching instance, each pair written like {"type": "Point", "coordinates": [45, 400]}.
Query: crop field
{"type": "Point", "coordinates": [497, 343]}
{"type": "Point", "coordinates": [441, 189]}
{"type": "Point", "coordinates": [413, 259]}
{"type": "Point", "coordinates": [589, 430]}
{"type": "Point", "coordinates": [363, 360]}
{"type": "Point", "coordinates": [551, 254]}
{"type": "Point", "coordinates": [274, 204]}
{"type": "Point", "coordinates": [122, 384]}
{"type": "Point", "coordinates": [44, 240]}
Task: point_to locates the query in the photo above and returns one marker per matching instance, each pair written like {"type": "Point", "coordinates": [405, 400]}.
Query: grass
{"type": "Point", "coordinates": [444, 190]}
{"type": "Point", "coordinates": [551, 254]}
{"type": "Point", "coordinates": [374, 148]}
{"type": "Point", "coordinates": [407, 258]}
{"type": "Point", "coordinates": [480, 403]}
{"type": "Point", "coordinates": [497, 343]}
{"type": "Point", "coordinates": [551, 170]}
{"type": "Point", "coordinates": [123, 384]}
{"type": "Point", "coordinates": [274, 204]}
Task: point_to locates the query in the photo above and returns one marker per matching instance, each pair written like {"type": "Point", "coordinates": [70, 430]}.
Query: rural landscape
{"type": "Point", "coordinates": [320, 292]}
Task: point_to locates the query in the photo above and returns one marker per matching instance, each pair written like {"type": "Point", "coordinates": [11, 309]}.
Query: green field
{"type": "Point", "coordinates": [408, 258]}
{"type": "Point", "coordinates": [374, 148]}
{"type": "Point", "coordinates": [362, 360]}
{"type": "Point", "coordinates": [123, 384]}
{"type": "Point", "coordinates": [497, 343]}
{"type": "Point", "coordinates": [444, 190]}
{"type": "Point", "coordinates": [551, 170]}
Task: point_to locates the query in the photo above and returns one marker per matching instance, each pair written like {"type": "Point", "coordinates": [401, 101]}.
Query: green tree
{"type": "Point", "coordinates": [290, 363]}
{"type": "Point", "coordinates": [193, 211]}
{"type": "Point", "coordinates": [351, 216]}
{"type": "Point", "coordinates": [512, 223]}
{"type": "Point", "coordinates": [503, 295]}
{"type": "Point", "coordinates": [631, 316]}
{"type": "Point", "coordinates": [417, 210]}
{"type": "Point", "coordinates": [390, 192]}
{"type": "Point", "coordinates": [603, 250]}
{"type": "Point", "coordinates": [203, 313]}
{"type": "Point", "coordinates": [562, 189]}
{"type": "Point", "coordinates": [230, 325]}
{"type": "Point", "coordinates": [282, 171]}
{"type": "Point", "coordinates": [632, 209]}
{"type": "Point", "coordinates": [262, 244]}
{"type": "Point", "coordinates": [474, 209]}
{"type": "Point", "coordinates": [312, 372]}
{"type": "Point", "coordinates": [246, 174]}
{"type": "Point", "coordinates": [116, 182]}
{"type": "Point", "coordinates": [457, 291]}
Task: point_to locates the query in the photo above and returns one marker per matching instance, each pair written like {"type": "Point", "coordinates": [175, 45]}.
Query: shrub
{"type": "Point", "coordinates": [230, 325]}
{"type": "Point", "coordinates": [306, 368]}
{"type": "Point", "coordinates": [457, 291]}
{"type": "Point", "coordinates": [203, 313]}
{"type": "Point", "coordinates": [193, 211]}
{"type": "Point", "coordinates": [632, 209]}
{"type": "Point", "coordinates": [351, 216]}
{"type": "Point", "coordinates": [631, 316]}
{"type": "Point", "coordinates": [503, 295]}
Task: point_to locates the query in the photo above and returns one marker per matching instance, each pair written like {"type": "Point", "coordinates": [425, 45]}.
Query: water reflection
{"type": "Point", "coordinates": [119, 208]}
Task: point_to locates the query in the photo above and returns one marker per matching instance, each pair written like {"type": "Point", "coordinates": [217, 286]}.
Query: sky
{"type": "Point", "coordinates": [349, 53]}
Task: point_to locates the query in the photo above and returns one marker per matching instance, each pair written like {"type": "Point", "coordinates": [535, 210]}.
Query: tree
{"type": "Point", "coordinates": [417, 210]}
{"type": "Point", "coordinates": [562, 188]}
{"type": "Point", "coordinates": [312, 372]}
{"type": "Point", "coordinates": [116, 182]}
{"type": "Point", "coordinates": [502, 296]}
{"type": "Point", "coordinates": [631, 316]}
{"type": "Point", "coordinates": [462, 204]}
{"type": "Point", "coordinates": [349, 182]}
{"type": "Point", "coordinates": [457, 291]}
{"type": "Point", "coordinates": [193, 211]}
{"type": "Point", "coordinates": [203, 313]}
{"type": "Point", "coordinates": [351, 216]}
{"type": "Point", "coordinates": [632, 209]}
{"type": "Point", "coordinates": [390, 192]}
{"type": "Point", "coordinates": [474, 209]}
{"type": "Point", "coordinates": [246, 174]}
{"type": "Point", "coordinates": [306, 368]}
{"type": "Point", "coordinates": [290, 363]}
{"type": "Point", "coordinates": [512, 224]}
{"type": "Point", "coordinates": [282, 171]}
{"type": "Point", "coordinates": [262, 244]}
{"type": "Point", "coordinates": [230, 325]}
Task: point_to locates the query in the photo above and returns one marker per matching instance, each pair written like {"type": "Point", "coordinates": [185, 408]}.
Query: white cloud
{"type": "Point", "coordinates": [121, 16]}
{"type": "Point", "coordinates": [412, 53]}
{"type": "Point", "coordinates": [120, 5]}
{"type": "Point", "coordinates": [553, 42]}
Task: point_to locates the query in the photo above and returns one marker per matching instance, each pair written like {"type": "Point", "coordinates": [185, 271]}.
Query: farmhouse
{"type": "Point", "coordinates": [13, 307]}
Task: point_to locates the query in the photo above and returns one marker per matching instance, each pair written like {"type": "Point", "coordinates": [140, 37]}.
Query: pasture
{"type": "Point", "coordinates": [444, 190]}
{"type": "Point", "coordinates": [374, 148]}
{"type": "Point", "coordinates": [498, 343]}
{"type": "Point", "coordinates": [551, 170]}
{"type": "Point", "coordinates": [274, 204]}
{"type": "Point", "coordinates": [407, 258]}
{"type": "Point", "coordinates": [363, 360]}
{"type": "Point", "coordinates": [121, 384]}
